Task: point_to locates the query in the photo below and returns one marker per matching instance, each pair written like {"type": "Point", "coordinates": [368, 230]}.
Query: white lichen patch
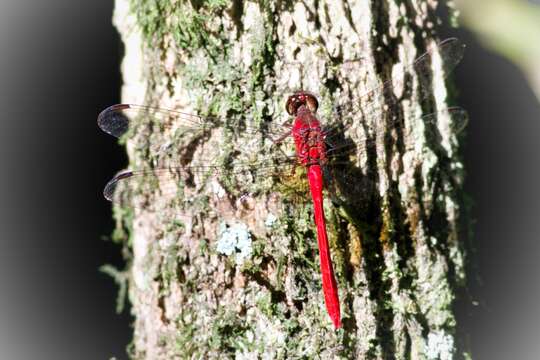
{"type": "Point", "coordinates": [440, 346]}
{"type": "Point", "coordinates": [218, 190]}
{"type": "Point", "coordinates": [271, 219]}
{"type": "Point", "coordinates": [235, 239]}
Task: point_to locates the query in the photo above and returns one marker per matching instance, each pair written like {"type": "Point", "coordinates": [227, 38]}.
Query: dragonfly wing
{"type": "Point", "coordinates": [371, 103]}
{"type": "Point", "coordinates": [149, 189]}
{"type": "Point", "coordinates": [118, 120]}
{"type": "Point", "coordinates": [344, 180]}
{"type": "Point", "coordinates": [338, 147]}
{"type": "Point", "coordinates": [158, 190]}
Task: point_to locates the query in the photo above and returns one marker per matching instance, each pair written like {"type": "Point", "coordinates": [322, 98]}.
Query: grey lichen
{"type": "Point", "coordinates": [234, 239]}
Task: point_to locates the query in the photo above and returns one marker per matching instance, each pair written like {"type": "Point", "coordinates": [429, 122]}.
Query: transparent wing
{"type": "Point", "coordinates": [347, 183]}
{"type": "Point", "coordinates": [455, 118]}
{"type": "Point", "coordinates": [149, 188]}
{"type": "Point", "coordinates": [449, 52]}
{"type": "Point", "coordinates": [117, 120]}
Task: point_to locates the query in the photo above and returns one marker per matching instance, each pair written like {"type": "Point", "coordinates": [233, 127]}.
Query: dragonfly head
{"type": "Point", "coordinates": [300, 98]}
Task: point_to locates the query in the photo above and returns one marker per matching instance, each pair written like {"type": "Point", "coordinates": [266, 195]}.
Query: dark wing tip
{"type": "Point", "coordinates": [454, 47]}
{"type": "Point", "coordinates": [113, 121]}
{"type": "Point", "coordinates": [454, 41]}
{"type": "Point", "coordinates": [460, 118]}
{"type": "Point", "coordinates": [110, 189]}
{"type": "Point", "coordinates": [452, 51]}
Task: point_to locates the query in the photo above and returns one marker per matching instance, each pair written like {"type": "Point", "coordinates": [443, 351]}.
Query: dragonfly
{"type": "Point", "coordinates": [317, 148]}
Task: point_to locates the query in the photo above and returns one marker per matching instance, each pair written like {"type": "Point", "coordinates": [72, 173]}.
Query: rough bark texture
{"type": "Point", "coordinates": [232, 283]}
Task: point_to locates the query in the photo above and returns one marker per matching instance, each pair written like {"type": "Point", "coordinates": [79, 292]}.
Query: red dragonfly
{"type": "Point", "coordinates": [320, 150]}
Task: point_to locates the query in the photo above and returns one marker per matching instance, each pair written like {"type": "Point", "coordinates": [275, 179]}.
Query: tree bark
{"type": "Point", "coordinates": [248, 286]}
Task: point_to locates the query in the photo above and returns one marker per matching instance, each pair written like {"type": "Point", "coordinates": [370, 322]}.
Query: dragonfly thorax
{"type": "Point", "coordinates": [308, 137]}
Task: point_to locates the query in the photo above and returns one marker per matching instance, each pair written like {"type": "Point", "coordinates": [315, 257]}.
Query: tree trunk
{"type": "Point", "coordinates": [207, 284]}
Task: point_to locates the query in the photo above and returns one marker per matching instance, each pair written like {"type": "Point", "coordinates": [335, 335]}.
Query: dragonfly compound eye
{"type": "Point", "coordinates": [311, 102]}
{"type": "Point", "coordinates": [292, 105]}
{"type": "Point", "coordinates": [301, 98]}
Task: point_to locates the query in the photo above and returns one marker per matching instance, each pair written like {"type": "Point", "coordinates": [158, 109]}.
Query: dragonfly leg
{"type": "Point", "coordinates": [282, 137]}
